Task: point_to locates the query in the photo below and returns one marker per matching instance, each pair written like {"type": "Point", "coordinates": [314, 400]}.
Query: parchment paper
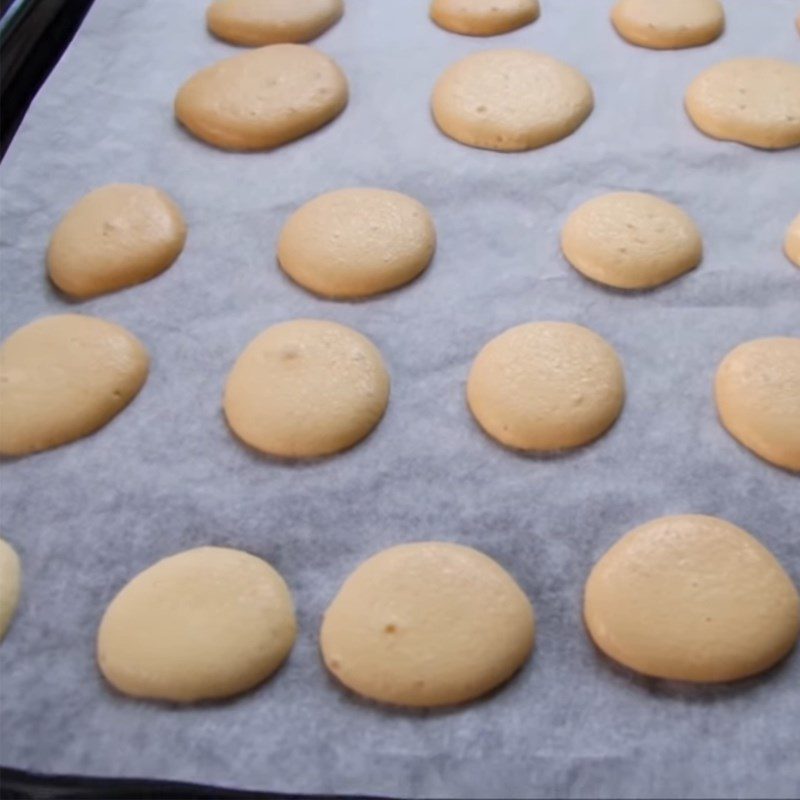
{"type": "Point", "coordinates": [167, 475]}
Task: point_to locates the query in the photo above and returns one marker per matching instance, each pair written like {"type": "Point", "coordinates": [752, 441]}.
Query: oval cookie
{"type": "Point", "coordinates": [757, 391]}
{"type": "Point", "coordinates": [427, 624]}
{"type": "Point", "coordinates": [306, 388]}
{"type": "Point", "coordinates": [357, 242]}
{"type": "Point", "coordinates": [791, 244]}
{"type": "Point", "coordinates": [631, 240]}
{"type": "Point", "coordinates": [546, 386]}
{"type": "Point", "coordinates": [510, 100]}
{"type": "Point", "coordinates": [483, 17]}
{"type": "Point", "coordinates": [263, 98]}
{"type": "Point", "coordinates": [254, 23]}
{"type": "Point", "coordinates": [755, 101]}
{"type": "Point", "coordinates": [64, 377]}
{"type": "Point", "coordinates": [668, 24]}
{"type": "Point", "coordinates": [116, 236]}
{"type": "Point", "coordinates": [204, 624]}
{"type": "Point", "coordinates": [691, 598]}
{"type": "Point", "coordinates": [10, 581]}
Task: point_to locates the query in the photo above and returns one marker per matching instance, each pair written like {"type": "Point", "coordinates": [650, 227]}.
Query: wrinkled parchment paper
{"type": "Point", "coordinates": [166, 474]}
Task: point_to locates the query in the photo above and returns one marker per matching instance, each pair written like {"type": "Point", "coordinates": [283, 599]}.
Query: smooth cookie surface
{"type": "Point", "coordinates": [263, 98]}
{"type": "Point", "coordinates": [357, 242]}
{"type": "Point", "coordinates": [483, 17]}
{"type": "Point", "coordinates": [427, 624]}
{"type": "Point", "coordinates": [791, 244]}
{"type": "Point", "coordinates": [10, 582]}
{"type": "Point", "coordinates": [255, 23]}
{"type": "Point", "coordinates": [203, 624]}
{"type": "Point", "coordinates": [546, 386]}
{"type": "Point", "coordinates": [691, 598]}
{"type": "Point", "coordinates": [62, 378]}
{"type": "Point", "coordinates": [668, 24]}
{"type": "Point", "coordinates": [510, 100]}
{"type": "Point", "coordinates": [116, 236]}
{"type": "Point", "coordinates": [755, 101]}
{"type": "Point", "coordinates": [631, 240]}
{"type": "Point", "coordinates": [306, 388]}
{"type": "Point", "coordinates": [757, 391]}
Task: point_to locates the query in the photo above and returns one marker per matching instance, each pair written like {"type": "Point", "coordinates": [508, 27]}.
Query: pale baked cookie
{"type": "Point", "coordinates": [791, 244]}
{"type": "Point", "coordinates": [691, 598]}
{"type": "Point", "coordinates": [631, 240]}
{"type": "Point", "coordinates": [357, 242]}
{"type": "Point", "coordinates": [510, 100]}
{"type": "Point", "coordinates": [306, 388]}
{"type": "Point", "coordinates": [203, 624]}
{"type": "Point", "coordinates": [427, 624]}
{"type": "Point", "coordinates": [116, 236]}
{"type": "Point", "coordinates": [757, 391]}
{"type": "Point", "coordinates": [483, 17]}
{"type": "Point", "coordinates": [668, 24]}
{"type": "Point", "coordinates": [254, 23]}
{"type": "Point", "coordinates": [263, 98]}
{"type": "Point", "coordinates": [10, 581]}
{"type": "Point", "coordinates": [754, 101]}
{"type": "Point", "coordinates": [62, 378]}
{"type": "Point", "coordinates": [546, 386]}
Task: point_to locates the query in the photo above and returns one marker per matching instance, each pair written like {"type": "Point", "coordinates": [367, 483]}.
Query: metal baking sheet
{"type": "Point", "coordinates": [167, 475]}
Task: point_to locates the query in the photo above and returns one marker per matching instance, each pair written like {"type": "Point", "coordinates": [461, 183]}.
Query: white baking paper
{"type": "Point", "coordinates": [167, 475]}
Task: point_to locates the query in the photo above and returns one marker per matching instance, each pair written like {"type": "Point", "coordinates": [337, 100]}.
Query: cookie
{"type": "Point", "coordinates": [306, 388]}
{"type": "Point", "coordinates": [255, 23]}
{"type": "Point", "coordinates": [357, 242]}
{"type": "Point", "coordinates": [510, 100]}
{"type": "Point", "coordinates": [631, 240]}
{"type": "Point", "coordinates": [10, 581]}
{"type": "Point", "coordinates": [668, 24]}
{"type": "Point", "coordinates": [427, 624]}
{"type": "Point", "coordinates": [757, 390]}
{"type": "Point", "coordinates": [116, 236]}
{"type": "Point", "coordinates": [755, 101]}
{"type": "Point", "coordinates": [483, 17]}
{"type": "Point", "coordinates": [791, 244]}
{"type": "Point", "coordinates": [204, 624]}
{"type": "Point", "coordinates": [263, 98]}
{"type": "Point", "coordinates": [691, 598]}
{"type": "Point", "coordinates": [546, 386]}
{"type": "Point", "coordinates": [62, 378]}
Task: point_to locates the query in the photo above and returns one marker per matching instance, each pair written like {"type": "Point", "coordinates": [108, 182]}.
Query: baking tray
{"type": "Point", "coordinates": [166, 474]}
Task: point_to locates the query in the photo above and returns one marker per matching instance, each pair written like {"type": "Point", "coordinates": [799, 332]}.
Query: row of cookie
{"type": "Point", "coordinates": [309, 388]}
{"type": "Point", "coordinates": [691, 598]}
{"type": "Point", "coordinates": [275, 94]}
{"type": "Point", "coordinates": [655, 24]}
{"type": "Point", "coordinates": [354, 243]}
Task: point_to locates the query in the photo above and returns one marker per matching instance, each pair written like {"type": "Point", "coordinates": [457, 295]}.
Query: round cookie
{"type": "Point", "coordinates": [691, 598]}
{"type": "Point", "coordinates": [510, 100]}
{"type": "Point", "coordinates": [427, 624]}
{"type": "Point", "coordinates": [116, 236]}
{"type": "Point", "coordinates": [791, 244]}
{"type": "Point", "coordinates": [263, 98]}
{"type": "Point", "coordinates": [62, 378]}
{"type": "Point", "coordinates": [755, 101]}
{"type": "Point", "coordinates": [546, 386]}
{"type": "Point", "coordinates": [483, 17]}
{"type": "Point", "coordinates": [668, 24]}
{"type": "Point", "coordinates": [203, 624]}
{"type": "Point", "coordinates": [757, 390]}
{"type": "Point", "coordinates": [306, 388]}
{"type": "Point", "coordinates": [255, 23]}
{"type": "Point", "coordinates": [631, 240]}
{"type": "Point", "coordinates": [357, 242]}
{"type": "Point", "coordinates": [10, 581]}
